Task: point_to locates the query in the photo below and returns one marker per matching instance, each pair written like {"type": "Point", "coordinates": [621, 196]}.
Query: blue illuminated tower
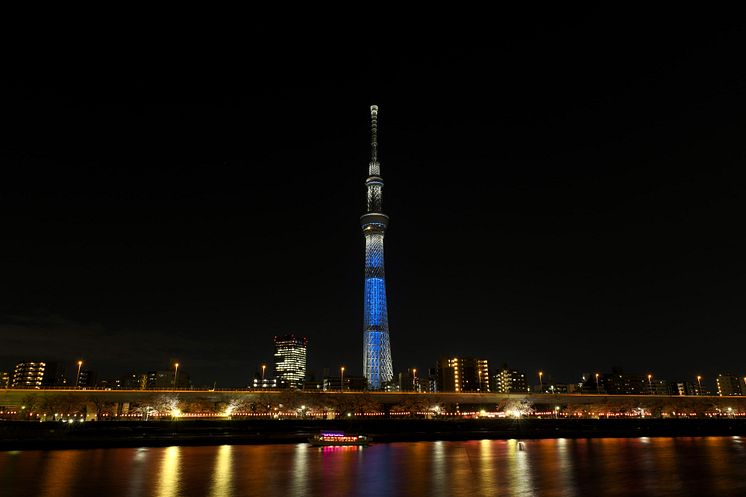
{"type": "Point", "coordinates": [377, 366]}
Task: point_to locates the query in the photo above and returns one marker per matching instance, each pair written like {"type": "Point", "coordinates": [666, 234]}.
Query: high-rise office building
{"type": "Point", "coordinates": [463, 374]}
{"type": "Point", "coordinates": [377, 364]}
{"type": "Point", "coordinates": [290, 360]}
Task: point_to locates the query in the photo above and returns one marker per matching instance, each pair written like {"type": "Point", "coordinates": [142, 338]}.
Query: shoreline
{"type": "Point", "coordinates": [21, 435]}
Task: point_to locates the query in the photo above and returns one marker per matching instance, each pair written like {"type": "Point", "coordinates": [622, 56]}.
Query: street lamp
{"type": "Point", "coordinates": [264, 366]}
{"type": "Point", "coordinates": [77, 378]}
{"type": "Point", "coordinates": [650, 383]}
{"type": "Point", "coordinates": [342, 378]}
{"type": "Point", "coordinates": [598, 390]}
{"type": "Point", "coordinates": [541, 383]}
{"type": "Point", "coordinates": [176, 374]}
{"type": "Point", "coordinates": [699, 383]}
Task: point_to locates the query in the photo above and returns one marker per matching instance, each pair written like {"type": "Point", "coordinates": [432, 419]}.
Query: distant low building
{"type": "Point", "coordinates": [86, 379]}
{"type": "Point", "coordinates": [164, 380]}
{"type": "Point", "coordinates": [129, 381]}
{"type": "Point", "coordinates": [728, 385]}
{"type": "Point", "coordinates": [592, 383]}
{"type": "Point", "coordinates": [311, 384]}
{"type": "Point", "coordinates": [463, 374]}
{"type": "Point", "coordinates": [409, 381]}
{"type": "Point", "coordinates": [683, 388]}
{"type": "Point", "coordinates": [351, 383]}
{"type": "Point", "coordinates": [391, 386]}
{"type": "Point", "coordinates": [506, 380]}
{"type": "Point", "coordinates": [264, 383]}
{"type": "Point", "coordinates": [133, 381]}
{"type": "Point", "coordinates": [621, 383]}
{"type": "Point", "coordinates": [4, 379]}
{"type": "Point", "coordinates": [432, 380]}
{"type": "Point", "coordinates": [159, 380]}
{"type": "Point", "coordinates": [563, 388]}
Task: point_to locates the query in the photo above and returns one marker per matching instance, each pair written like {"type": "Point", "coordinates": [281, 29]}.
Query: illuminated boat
{"type": "Point", "coordinates": [329, 439]}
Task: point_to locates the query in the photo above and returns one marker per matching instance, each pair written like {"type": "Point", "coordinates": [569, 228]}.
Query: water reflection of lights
{"type": "Point", "coordinates": [168, 481]}
{"type": "Point", "coordinates": [487, 467]}
{"type": "Point", "coordinates": [222, 476]}
{"type": "Point", "coordinates": [520, 476]}
{"type": "Point", "coordinates": [299, 485]}
{"type": "Point", "coordinates": [58, 479]}
{"type": "Point", "coordinates": [565, 466]}
{"type": "Point", "coordinates": [137, 479]}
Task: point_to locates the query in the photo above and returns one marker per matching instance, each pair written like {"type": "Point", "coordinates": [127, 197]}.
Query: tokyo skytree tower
{"type": "Point", "coordinates": [377, 366]}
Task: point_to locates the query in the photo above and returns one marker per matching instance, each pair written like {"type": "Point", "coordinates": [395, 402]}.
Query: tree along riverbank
{"type": "Point", "coordinates": [19, 435]}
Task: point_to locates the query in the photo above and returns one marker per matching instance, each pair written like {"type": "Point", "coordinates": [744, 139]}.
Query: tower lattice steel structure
{"type": "Point", "coordinates": [377, 366]}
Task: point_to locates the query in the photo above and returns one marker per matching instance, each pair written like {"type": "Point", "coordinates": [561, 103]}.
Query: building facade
{"type": "Point", "coordinates": [165, 380]}
{"type": "Point", "coordinates": [377, 363]}
{"type": "Point", "coordinates": [290, 360]}
{"type": "Point", "coordinates": [86, 379]}
{"type": "Point", "coordinates": [509, 381]}
{"type": "Point", "coordinates": [728, 385]}
{"type": "Point", "coordinates": [35, 374]}
{"type": "Point", "coordinates": [463, 374]}
{"type": "Point", "coordinates": [683, 388]}
{"type": "Point", "coordinates": [351, 383]}
{"type": "Point", "coordinates": [265, 383]}
{"type": "Point", "coordinates": [411, 381]}
{"type": "Point", "coordinates": [621, 383]}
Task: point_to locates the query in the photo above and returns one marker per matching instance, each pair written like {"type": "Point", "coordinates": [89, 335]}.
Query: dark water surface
{"type": "Point", "coordinates": [563, 467]}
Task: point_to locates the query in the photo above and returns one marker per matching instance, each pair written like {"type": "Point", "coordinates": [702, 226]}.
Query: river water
{"type": "Point", "coordinates": [550, 467]}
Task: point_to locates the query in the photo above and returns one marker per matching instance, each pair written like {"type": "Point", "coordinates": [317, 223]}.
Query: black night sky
{"type": "Point", "coordinates": [565, 193]}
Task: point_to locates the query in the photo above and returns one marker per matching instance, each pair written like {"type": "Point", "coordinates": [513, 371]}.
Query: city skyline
{"type": "Point", "coordinates": [289, 371]}
{"type": "Point", "coordinates": [565, 195]}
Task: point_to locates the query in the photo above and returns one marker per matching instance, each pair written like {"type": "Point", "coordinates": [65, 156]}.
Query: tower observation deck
{"type": "Point", "coordinates": [377, 366]}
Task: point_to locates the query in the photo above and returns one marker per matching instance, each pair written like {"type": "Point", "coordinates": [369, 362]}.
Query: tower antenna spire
{"type": "Point", "coordinates": [373, 134]}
